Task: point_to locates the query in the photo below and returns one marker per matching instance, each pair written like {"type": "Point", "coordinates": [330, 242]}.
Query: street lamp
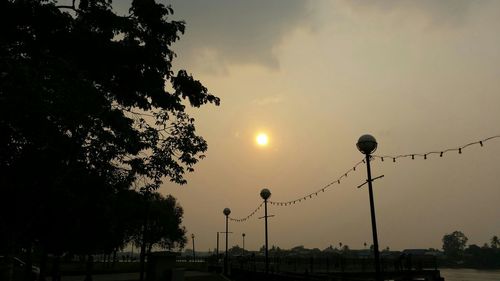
{"type": "Point", "coordinates": [217, 255]}
{"type": "Point", "coordinates": [226, 212]}
{"type": "Point", "coordinates": [194, 252]}
{"type": "Point", "coordinates": [367, 144]}
{"type": "Point", "coordinates": [265, 194]}
{"type": "Point", "coordinates": [243, 235]}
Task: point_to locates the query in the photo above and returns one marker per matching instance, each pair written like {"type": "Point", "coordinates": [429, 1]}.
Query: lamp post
{"type": "Point", "coordinates": [217, 253]}
{"type": "Point", "coordinates": [194, 252]}
{"type": "Point", "coordinates": [243, 235]}
{"type": "Point", "coordinates": [367, 145]}
{"type": "Point", "coordinates": [226, 212]}
{"type": "Point", "coordinates": [265, 194]}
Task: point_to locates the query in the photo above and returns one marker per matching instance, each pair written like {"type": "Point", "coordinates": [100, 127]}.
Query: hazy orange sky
{"type": "Point", "coordinates": [316, 75]}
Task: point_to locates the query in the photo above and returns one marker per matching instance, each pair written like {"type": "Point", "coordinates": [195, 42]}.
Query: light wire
{"type": "Point", "coordinates": [353, 169]}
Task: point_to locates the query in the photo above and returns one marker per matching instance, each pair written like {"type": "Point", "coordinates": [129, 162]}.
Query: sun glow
{"type": "Point", "coordinates": [262, 139]}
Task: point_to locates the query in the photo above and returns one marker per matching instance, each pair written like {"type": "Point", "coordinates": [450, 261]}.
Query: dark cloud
{"type": "Point", "coordinates": [237, 31]}
{"type": "Point", "coordinates": [437, 12]}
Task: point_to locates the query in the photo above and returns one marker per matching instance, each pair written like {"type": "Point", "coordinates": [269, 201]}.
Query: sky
{"type": "Point", "coordinates": [316, 75]}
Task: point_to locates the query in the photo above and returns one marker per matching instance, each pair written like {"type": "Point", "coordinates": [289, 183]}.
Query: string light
{"type": "Point", "coordinates": [249, 216]}
{"type": "Point", "coordinates": [322, 189]}
{"type": "Point", "coordinates": [353, 169]}
{"type": "Point", "coordinates": [441, 152]}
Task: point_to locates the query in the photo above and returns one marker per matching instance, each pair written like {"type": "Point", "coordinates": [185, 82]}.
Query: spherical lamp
{"type": "Point", "coordinates": [367, 144]}
{"type": "Point", "coordinates": [265, 193]}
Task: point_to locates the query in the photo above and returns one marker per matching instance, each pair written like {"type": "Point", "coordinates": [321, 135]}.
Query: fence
{"type": "Point", "coordinates": [334, 263]}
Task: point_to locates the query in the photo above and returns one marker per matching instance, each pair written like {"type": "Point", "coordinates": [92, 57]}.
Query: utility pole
{"type": "Point", "coordinates": [367, 144]}
{"type": "Point", "coordinates": [226, 212]}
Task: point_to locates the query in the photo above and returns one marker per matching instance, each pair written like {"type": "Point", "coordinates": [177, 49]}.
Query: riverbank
{"type": "Point", "coordinates": [466, 274]}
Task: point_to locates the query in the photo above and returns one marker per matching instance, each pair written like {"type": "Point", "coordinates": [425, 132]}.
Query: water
{"type": "Point", "coordinates": [470, 275]}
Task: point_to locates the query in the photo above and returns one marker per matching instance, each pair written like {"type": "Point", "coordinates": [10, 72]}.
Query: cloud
{"type": "Point", "coordinates": [237, 31]}
{"type": "Point", "coordinates": [435, 12]}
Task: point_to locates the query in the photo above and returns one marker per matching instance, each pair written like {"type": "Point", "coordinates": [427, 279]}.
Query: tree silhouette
{"type": "Point", "coordinates": [163, 225]}
{"type": "Point", "coordinates": [90, 107]}
{"type": "Point", "coordinates": [495, 243]}
{"type": "Point", "coordinates": [454, 245]}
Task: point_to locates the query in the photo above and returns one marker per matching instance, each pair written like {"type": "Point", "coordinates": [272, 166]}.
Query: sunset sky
{"type": "Point", "coordinates": [314, 76]}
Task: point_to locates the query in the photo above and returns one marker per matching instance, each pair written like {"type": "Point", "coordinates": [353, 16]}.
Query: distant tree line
{"type": "Point", "coordinates": [458, 254]}
{"type": "Point", "coordinates": [92, 120]}
{"type": "Point", "coordinates": [300, 250]}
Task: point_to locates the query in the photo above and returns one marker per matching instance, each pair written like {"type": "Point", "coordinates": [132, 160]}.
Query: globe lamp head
{"type": "Point", "coordinates": [367, 144]}
{"type": "Point", "coordinates": [265, 193]}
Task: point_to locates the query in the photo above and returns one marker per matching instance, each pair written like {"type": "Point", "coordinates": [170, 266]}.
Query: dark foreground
{"type": "Point", "coordinates": [188, 276]}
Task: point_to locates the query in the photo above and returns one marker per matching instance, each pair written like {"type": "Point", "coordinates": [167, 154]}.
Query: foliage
{"type": "Point", "coordinates": [454, 245]}
{"type": "Point", "coordinates": [163, 223]}
{"type": "Point", "coordinates": [482, 257]}
{"type": "Point", "coordinates": [495, 242]}
{"type": "Point", "coordinates": [86, 115]}
{"type": "Point", "coordinates": [236, 251]}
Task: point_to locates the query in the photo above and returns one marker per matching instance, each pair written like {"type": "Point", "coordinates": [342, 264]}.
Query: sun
{"type": "Point", "coordinates": [262, 139]}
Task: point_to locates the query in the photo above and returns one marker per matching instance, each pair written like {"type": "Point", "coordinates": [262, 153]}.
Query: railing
{"type": "Point", "coordinates": [334, 263]}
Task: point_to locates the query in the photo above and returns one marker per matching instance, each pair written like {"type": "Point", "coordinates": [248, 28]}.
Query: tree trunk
{"type": "Point", "coordinates": [114, 258]}
{"type": "Point", "coordinates": [43, 265]}
{"type": "Point", "coordinates": [143, 242]}
{"type": "Point", "coordinates": [28, 275]}
{"type": "Point", "coordinates": [88, 270]}
{"type": "Point", "coordinates": [56, 273]}
{"type": "Point", "coordinates": [143, 253]}
{"type": "Point", "coordinates": [150, 248]}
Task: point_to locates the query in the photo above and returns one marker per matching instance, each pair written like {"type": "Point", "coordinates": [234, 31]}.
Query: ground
{"type": "Point", "coordinates": [188, 276]}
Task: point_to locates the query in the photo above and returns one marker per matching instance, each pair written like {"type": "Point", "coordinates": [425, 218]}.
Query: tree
{"type": "Point", "coordinates": [482, 257]}
{"type": "Point", "coordinates": [345, 249]}
{"type": "Point", "coordinates": [235, 251]}
{"type": "Point", "coordinates": [90, 107]}
{"type": "Point", "coordinates": [156, 221]}
{"type": "Point", "coordinates": [454, 245]}
{"type": "Point", "coordinates": [495, 243]}
{"type": "Point", "coordinates": [164, 223]}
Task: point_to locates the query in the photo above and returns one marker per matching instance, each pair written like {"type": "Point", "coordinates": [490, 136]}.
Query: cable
{"type": "Point", "coordinates": [310, 195]}
{"type": "Point", "coordinates": [353, 169]}
{"type": "Point", "coordinates": [249, 216]}
{"type": "Point", "coordinates": [319, 191]}
{"type": "Point", "coordinates": [440, 152]}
